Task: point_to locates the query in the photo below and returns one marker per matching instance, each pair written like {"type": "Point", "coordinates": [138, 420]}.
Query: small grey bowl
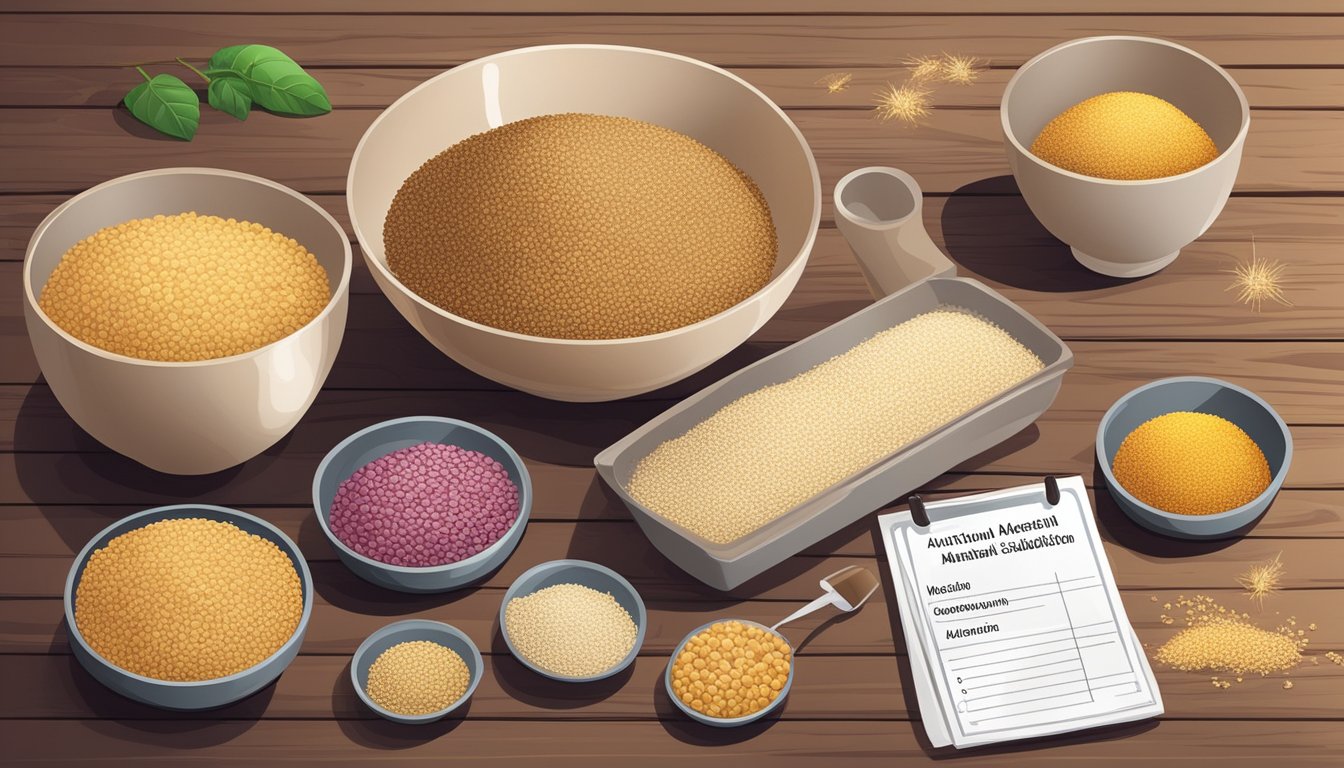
{"type": "Point", "coordinates": [727, 722]}
{"type": "Point", "coordinates": [383, 438]}
{"type": "Point", "coordinates": [1201, 395]}
{"type": "Point", "coordinates": [405, 632]}
{"type": "Point", "coordinates": [196, 694]}
{"type": "Point", "coordinates": [587, 574]}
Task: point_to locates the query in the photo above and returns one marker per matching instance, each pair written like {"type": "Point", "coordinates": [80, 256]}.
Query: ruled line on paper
{"type": "Point", "coordinates": [1028, 677]}
{"type": "Point", "coordinates": [1004, 639]}
{"type": "Point", "coordinates": [1029, 701]}
{"type": "Point", "coordinates": [1032, 644]}
{"type": "Point", "coordinates": [964, 595]}
{"type": "Point", "coordinates": [1094, 645]}
{"type": "Point", "coordinates": [1023, 669]}
{"type": "Point", "coordinates": [1005, 661]}
{"type": "Point", "coordinates": [1022, 690]}
{"type": "Point", "coordinates": [984, 615]}
{"type": "Point", "coordinates": [1028, 712]}
{"type": "Point", "coordinates": [1064, 602]}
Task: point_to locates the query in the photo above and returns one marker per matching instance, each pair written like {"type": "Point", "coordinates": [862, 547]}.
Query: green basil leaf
{"type": "Point", "coordinates": [230, 95]}
{"type": "Point", "coordinates": [167, 105]}
{"type": "Point", "coordinates": [274, 80]}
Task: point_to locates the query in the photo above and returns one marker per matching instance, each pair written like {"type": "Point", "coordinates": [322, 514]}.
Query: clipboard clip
{"type": "Point", "coordinates": [920, 516]}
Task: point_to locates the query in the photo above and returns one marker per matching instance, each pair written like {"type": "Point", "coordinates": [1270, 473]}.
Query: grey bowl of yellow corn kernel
{"type": "Point", "coordinates": [248, 623]}
{"type": "Point", "coordinates": [416, 671]}
{"type": "Point", "coordinates": [760, 661]}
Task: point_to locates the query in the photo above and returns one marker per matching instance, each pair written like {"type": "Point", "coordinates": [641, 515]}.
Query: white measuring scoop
{"type": "Point", "coordinates": [846, 589]}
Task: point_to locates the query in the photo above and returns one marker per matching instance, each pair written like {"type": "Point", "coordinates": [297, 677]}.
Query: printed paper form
{"type": "Point", "coordinates": [1022, 630]}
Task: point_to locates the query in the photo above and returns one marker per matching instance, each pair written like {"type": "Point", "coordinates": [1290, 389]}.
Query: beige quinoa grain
{"type": "Point", "coordinates": [580, 226]}
{"type": "Point", "coordinates": [188, 599]}
{"type": "Point", "coordinates": [417, 678]}
{"type": "Point", "coordinates": [769, 451]}
{"type": "Point", "coordinates": [184, 287]}
{"type": "Point", "coordinates": [570, 630]}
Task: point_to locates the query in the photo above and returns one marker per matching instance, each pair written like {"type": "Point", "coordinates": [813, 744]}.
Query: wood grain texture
{"type": "Point", "coordinates": [823, 41]}
{"type": "Point", "coordinates": [1286, 150]}
{"type": "Point", "coordinates": [1251, 744]}
{"type": "Point", "coordinates": [698, 7]}
{"type": "Point", "coordinates": [790, 87]}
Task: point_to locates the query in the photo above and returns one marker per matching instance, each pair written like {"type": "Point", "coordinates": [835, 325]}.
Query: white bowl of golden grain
{"type": "Point", "coordinates": [197, 416]}
{"type": "Point", "coordinates": [1117, 227]}
{"type": "Point", "coordinates": [711, 106]}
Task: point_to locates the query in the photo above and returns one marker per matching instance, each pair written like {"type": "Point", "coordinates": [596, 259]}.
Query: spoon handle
{"type": "Point", "coordinates": [815, 605]}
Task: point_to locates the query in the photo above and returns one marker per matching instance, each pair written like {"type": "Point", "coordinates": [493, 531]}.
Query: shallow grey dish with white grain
{"type": "Point", "coordinates": [725, 566]}
{"type": "Point", "coordinates": [195, 694]}
{"type": "Point", "coordinates": [1199, 394]}
{"type": "Point", "coordinates": [379, 440]}
{"type": "Point", "coordinates": [586, 574]}
{"type": "Point", "coordinates": [410, 631]}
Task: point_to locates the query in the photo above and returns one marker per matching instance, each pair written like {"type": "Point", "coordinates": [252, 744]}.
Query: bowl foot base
{"type": "Point", "coordinates": [1123, 268]}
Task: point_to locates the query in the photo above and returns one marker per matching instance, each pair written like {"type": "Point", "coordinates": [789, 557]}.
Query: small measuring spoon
{"type": "Point", "coordinates": [846, 589]}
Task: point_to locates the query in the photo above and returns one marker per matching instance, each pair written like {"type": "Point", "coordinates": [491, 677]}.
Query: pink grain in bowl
{"type": "Point", "coordinates": [426, 505]}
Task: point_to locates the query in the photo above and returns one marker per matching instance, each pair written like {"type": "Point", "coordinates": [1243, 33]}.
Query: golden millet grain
{"type": "Point", "coordinates": [1230, 645]}
{"type": "Point", "coordinates": [731, 669]}
{"type": "Point", "coordinates": [1124, 135]}
{"type": "Point", "coordinates": [581, 226]}
{"type": "Point", "coordinates": [184, 287]}
{"type": "Point", "coordinates": [1191, 464]}
{"type": "Point", "coordinates": [570, 630]}
{"type": "Point", "coordinates": [188, 599]}
{"type": "Point", "coordinates": [768, 451]}
{"type": "Point", "coordinates": [417, 678]}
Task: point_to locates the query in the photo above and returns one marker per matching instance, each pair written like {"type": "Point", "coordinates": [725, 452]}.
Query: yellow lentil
{"type": "Point", "coordinates": [1124, 135]}
{"type": "Point", "coordinates": [770, 450]}
{"type": "Point", "coordinates": [1191, 464]}
{"type": "Point", "coordinates": [188, 599]}
{"type": "Point", "coordinates": [581, 226]}
{"type": "Point", "coordinates": [731, 669]}
{"type": "Point", "coordinates": [417, 678]}
{"type": "Point", "coordinates": [184, 287]}
{"type": "Point", "coordinates": [570, 630]}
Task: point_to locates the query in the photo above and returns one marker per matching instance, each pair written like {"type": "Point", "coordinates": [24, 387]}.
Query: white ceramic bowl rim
{"type": "Point", "coordinates": [392, 629]}
{"type": "Point", "coordinates": [640, 627]}
{"type": "Point", "coordinates": [382, 268]}
{"type": "Point", "coordinates": [340, 289]}
{"type": "Point", "coordinates": [1222, 156]}
{"type": "Point", "coordinates": [1274, 481]}
{"type": "Point", "coordinates": [305, 579]}
{"type": "Point", "coordinates": [741, 719]}
{"type": "Point", "coordinates": [524, 497]}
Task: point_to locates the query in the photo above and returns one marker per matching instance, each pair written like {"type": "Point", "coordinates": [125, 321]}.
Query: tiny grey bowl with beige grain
{"type": "Point", "coordinates": [879, 213]}
{"type": "Point", "coordinates": [709, 104]}
{"type": "Point", "coordinates": [1114, 227]}
{"type": "Point", "coordinates": [410, 631]}
{"type": "Point", "coordinates": [188, 418]}
{"type": "Point", "coordinates": [585, 574]}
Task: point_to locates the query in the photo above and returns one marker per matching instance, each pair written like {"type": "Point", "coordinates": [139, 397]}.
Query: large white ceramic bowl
{"type": "Point", "coordinates": [195, 417]}
{"type": "Point", "coordinates": [1124, 228]}
{"type": "Point", "coordinates": [713, 106]}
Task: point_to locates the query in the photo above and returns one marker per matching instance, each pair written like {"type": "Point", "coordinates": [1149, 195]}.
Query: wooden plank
{"type": "Point", "coordinates": [697, 7]}
{"type": "Point", "coordinates": [1286, 151]}
{"type": "Point", "coordinates": [1311, 563]}
{"type": "Point", "coordinates": [370, 88]}
{"type": "Point", "coordinates": [824, 688]}
{"type": "Point", "coordinates": [673, 743]}
{"type": "Point", "coordinates": [342, 619]}
{"type": "Point", "coordinates": [433, 40]}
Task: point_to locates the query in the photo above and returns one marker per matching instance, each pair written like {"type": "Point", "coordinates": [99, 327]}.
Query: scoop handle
{"type": "Point", "coordinates": [815, 605]}
{"type": "Point", "coordinates": [879, 211]}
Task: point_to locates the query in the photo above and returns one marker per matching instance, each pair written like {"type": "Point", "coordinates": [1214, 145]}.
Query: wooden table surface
{"type": "Point", "coordinates": [61, 131]}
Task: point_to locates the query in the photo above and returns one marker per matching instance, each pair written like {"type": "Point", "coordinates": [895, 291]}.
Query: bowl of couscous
{"type": "Point", "coordinates": [1126, 148]}
{"type": "Point", "coordinates": [585, 222]}
{"type": "Point", "coordinates": [573, 621]}
{"type": "Point", "coordinates": [1193, 457]}
{"type": "Point", "coordinates": [188, 607]}
{"type": "Point", "coordinates": [416, 671]}
{"type": "Point", "coordinates": [187, 317]}
{"type": "Point", "coordinates": [730, 672]}
{"type": "Point", "coordinates": [423, 503]}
